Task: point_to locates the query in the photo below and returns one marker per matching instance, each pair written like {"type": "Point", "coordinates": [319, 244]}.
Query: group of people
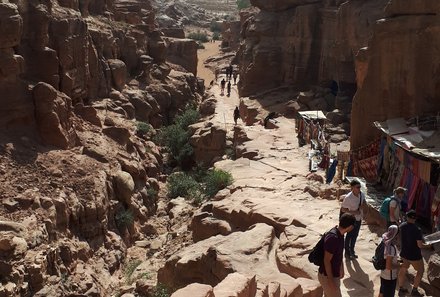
{"type": "Point", "coordinates": [230, 73]}
{"type": "Point", "coordinates": [222, 85]}
{"type": "Point", "coordinates": [394, 273]}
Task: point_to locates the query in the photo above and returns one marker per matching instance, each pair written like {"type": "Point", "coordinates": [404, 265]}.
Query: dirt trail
{"type": "Point", "coordinates": [278, 178]}
{"type": "Point", "coordinates": [211, 49]}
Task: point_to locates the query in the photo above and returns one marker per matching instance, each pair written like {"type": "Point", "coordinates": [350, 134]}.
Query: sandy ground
{"type": "Point", "coordinates": [211, 49]}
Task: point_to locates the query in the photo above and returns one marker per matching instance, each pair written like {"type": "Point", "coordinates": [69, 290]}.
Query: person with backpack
{"type": "Point", "coordinates": [328, 253]}
{"type": "Point", "coordinates": [385, 259]}
{"type": "Point", "coordinates": [352, 204]}
{"type": "Point", "coordinates": [391, 207]}
{"type": "Point", "coordinates": [411, 245]}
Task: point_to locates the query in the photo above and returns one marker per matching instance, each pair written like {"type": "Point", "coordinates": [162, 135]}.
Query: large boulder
{"type": "Point", "coordinates": [119, 73]}
{"type": "Point", "coordinates": [124, 186]}
{"type": "Point", "coordinates": [208, 141]}
{"type": "Point", "coordinates": [203, 226]}
{"type": "Point", "coordinates": [237, 285]}
{"type": "Point", "coordinates": [210, 261]}
{"type": "Point", "coordinates": [53, 113]}
{"type": "Point", "coordinates": [195, 290]}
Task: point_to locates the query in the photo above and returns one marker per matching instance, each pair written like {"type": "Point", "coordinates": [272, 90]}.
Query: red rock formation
{"type": "Point", "coordinates": [302, 42]}
{"type": "Point", "coordinates": [401, 75]}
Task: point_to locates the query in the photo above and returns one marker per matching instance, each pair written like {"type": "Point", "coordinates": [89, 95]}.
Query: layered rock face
{"type": "Point", "coordinates": [77, 175]}
{"type": "Point", "coordinates": [76, 48]}
{"type": "Point", "coordinates": [303, 42]}
{"type": "Point", "coordinates": [398, 72]}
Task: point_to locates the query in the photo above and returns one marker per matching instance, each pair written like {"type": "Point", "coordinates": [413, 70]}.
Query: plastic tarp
{"type": "Point", "coordinates": [313, 115]}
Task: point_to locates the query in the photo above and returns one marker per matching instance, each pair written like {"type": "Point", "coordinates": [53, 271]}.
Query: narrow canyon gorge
{"type": "Point", "coordinates": [161, 148]}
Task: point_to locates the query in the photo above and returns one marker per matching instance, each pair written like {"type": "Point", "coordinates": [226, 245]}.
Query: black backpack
{"type": "Point", "coordinates": [379, 261]}
{"type": "Point", "coordinates": [316, 256]}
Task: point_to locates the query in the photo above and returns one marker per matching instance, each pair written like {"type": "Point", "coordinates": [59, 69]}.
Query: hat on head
{"type": "Point", "coordinates": [400, 190]}
{"type": "Point", "coordinates": [411, 214]}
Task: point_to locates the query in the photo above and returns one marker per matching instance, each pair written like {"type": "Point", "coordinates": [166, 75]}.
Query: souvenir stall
{"type": "Point", "coordinates": [310, 126]}
{"type": "Point", "coordinates": [310, 130]}
{"type": "Point", "coordinates": [408, 155]}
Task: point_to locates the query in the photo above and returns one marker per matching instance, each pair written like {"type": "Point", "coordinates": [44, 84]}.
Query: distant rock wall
{"type": "Point", "coordinates": [86, 50]}
{"type": "Point", "coordinates": [399, 76]}
{"type": "Point", "coordinates": [304, 42]}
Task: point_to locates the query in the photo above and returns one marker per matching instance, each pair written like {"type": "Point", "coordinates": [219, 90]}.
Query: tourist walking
{"type": "Point", "coordinates": [236, 114]}
{"type": "Point", "coordinates": [235, 78]}
{"type": "Point", "coordinates": [230, 71]}
{"type": "Point", "coordinates": [352, 204]}
{"type": "Point", "coordinates": [388, 276]}
{"type": "Point", "coordinates": [332, 270]}
{"type": "Point", "coordinates": [229, 88]}
{"type": "Point", "coordinates": [391, 208]}
{"type": "Point", "coordinates": [411, 245]}
{"type": "Point", "coordinates": [222, 85]}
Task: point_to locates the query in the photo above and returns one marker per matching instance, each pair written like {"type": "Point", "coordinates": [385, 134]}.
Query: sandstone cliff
{"type": "Point", "coordinates": [304, 42]}
{"type": "Point", "coordinates": [78, 174]}
{"type": "Point", "coordinates": [399, 71]}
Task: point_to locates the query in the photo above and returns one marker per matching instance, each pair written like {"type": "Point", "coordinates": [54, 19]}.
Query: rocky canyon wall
{"type": "Point", "coordinates": [78, 174]}
{"type": "Point", "coordinates": [385, 50]}
{"type": "Point", "coordinates": [305, 42]}
{"type": "Point", "coordinates": [399, 71]}
{"type": "Point", "coordinates": [84, 49]}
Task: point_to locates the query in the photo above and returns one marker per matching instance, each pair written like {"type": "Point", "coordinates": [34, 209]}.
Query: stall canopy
{"type": "Point", "coordinates": [425, 143]}
{"type": "Point", "coordinates": [312, 115]}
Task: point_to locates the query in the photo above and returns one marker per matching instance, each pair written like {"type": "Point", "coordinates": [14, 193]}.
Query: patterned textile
{"type": "Point", "coordinates": [368, 168]}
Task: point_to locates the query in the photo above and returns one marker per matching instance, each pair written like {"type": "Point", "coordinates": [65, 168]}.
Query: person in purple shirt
{"type": "Point", "coordinates": [332, 270]}
{"type": "Point", "coordinates": [411, 254]}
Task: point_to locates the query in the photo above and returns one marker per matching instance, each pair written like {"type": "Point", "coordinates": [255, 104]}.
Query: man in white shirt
{"type": "Point", "coordinates": [352, 204]}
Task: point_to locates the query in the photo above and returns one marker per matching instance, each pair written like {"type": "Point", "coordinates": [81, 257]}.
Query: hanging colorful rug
{"type": "Point", "coordinates": [368, 168]}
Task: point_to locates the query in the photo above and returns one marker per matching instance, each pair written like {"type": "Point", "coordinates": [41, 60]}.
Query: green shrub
{"type": "Point", "coordinates": [241, 4]}
{"type": "Point", "coordinates": [181, 184]}
{"type": "Point", "coordinates": [151, 193]}
{"type": "Point", "coordinates": [176, 141]}
{"type": "Point", "coordinates": [216, 36]}
{"type": "Point", "coordinates": [175, 138]}
{"type": "Point", "coordinates": [129, 269]}
{"type": "Point", "coordinates": [216, 27]}
{"type": "Point", "coordinates": [124, 218]}
{"type": "Point", "coordinates": [142, 128]}
{"type": "Point", "coordinates": [196, 195]}
{"type": "Point", "coordinates": [161, 291]}
{"type": "Point", "coordinates": [216, 180]}
{"type": "Point", "coordinates": [187, 118]}
{"type": "Point", "coordinates": [199, 36]}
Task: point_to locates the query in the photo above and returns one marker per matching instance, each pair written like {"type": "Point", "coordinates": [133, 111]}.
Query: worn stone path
{"type": "Point", "coordinates": [269, 194]}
